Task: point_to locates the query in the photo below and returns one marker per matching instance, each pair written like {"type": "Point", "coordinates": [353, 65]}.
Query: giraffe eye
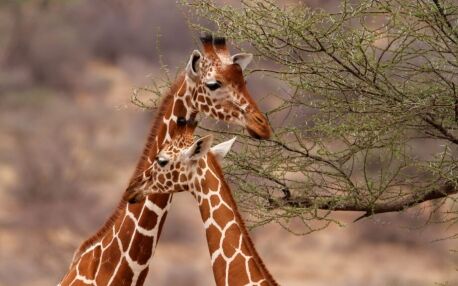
{"type": "Point", "coordinates": [162, 161]}
{"type": "Point", "coordinates": [213, 85]}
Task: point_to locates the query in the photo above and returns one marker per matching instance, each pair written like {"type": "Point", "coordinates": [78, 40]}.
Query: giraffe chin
{"type": "Point", "coordinates": [259, 133]}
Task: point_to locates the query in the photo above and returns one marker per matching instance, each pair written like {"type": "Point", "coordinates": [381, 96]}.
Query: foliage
{"type": "Point", "coordinates": [370, 119]}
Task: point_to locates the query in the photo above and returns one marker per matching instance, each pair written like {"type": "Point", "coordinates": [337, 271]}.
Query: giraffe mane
{"type": "Point", "coordinates": [166, 101]}
{"type": "Point", "coordinates": [108, 225]}
{"type": "Point", "coordinates": [256, 257]}
{"type": "Point", "coordinates": [165, 104]}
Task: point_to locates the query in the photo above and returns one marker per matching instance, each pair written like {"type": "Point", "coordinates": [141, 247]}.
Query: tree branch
{"type": "Point", "coordinates": [371, 208]}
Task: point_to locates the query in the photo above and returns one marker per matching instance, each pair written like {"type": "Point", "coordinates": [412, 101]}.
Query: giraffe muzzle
{"type": "Point", "coordinates": [257, 125]}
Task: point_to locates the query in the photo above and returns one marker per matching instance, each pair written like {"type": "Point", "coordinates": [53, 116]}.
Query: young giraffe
{"type": "Point", "coordinates": [213, 83]}
{"type": "Point", "coordinates": [186, 166]}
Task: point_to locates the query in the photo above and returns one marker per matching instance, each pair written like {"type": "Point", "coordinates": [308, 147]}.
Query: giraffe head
{"type": "Point", "coordinates": [178, 164]}
{"type": "Point", "coordinates": [219, 88]}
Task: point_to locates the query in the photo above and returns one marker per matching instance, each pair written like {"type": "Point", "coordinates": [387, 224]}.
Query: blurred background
{"type": "Point", "coordinates": [70, 139]}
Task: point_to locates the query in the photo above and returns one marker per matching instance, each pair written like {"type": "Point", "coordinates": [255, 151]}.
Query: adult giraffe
{"type": "Point", "coordinates": [183, 165]}
{"type": "Point", "coordinates": [213, 83]}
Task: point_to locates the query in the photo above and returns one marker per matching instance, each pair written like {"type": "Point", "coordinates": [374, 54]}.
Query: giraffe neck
{"type": "Point", "coordinates": [234, 258]}
{"type": "Point", "coordinates": [120, 252]}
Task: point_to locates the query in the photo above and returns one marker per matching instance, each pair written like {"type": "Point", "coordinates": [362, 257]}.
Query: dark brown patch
{"type": "Point", "coordinates": [118, 223]}
{"type": "Point", "coordinates": [213, 238]}
{"type": "Point", "coordinates": [110, 259]}
{"type": "Point", "coordinates": [219, 270]}
{"type": "Point", "coordinates": [124, 275]}
{"type": "Point", "coordinates": [214, 199]}
{"type": "Point", "coordinates": [142, 277]}
{"type": "Point", "coordinates": [211, 182]}
{"type": "Point", "coordinates": [89, 263]}
{"type": "Point", "coordinates": [148, 219]}
{"type": "Point", "coordinates": [161, 224]}
{"type": "Point", "coordinates": [179, 108]}
{"type": "Point", "coordinates": [254, 270]}
{"type": "Point", "coordinates": [161, 200]}
{"type": "Point", "coordinates": [161, 178]}
{"type": "Point", "coordinates": [238, 272]}
{"type": "Point", "coordinates": [197, 186]}
{"type": "Point", "coordinates": [188, 101]}
{"type": "Point", "coordinates": [172, 127]}
{"type": "Point", "coordinates": [69, 277]}
{"type": "Point", "coordinates": [235, 74]}
{"type": "Point", "coordinates": [231, 240]}
{"type": "Point", "coordinates": [204, 210]}
{"type": "Point", "coordinates": [126, 232]}
{"type": "Point", "coordinates": [175, 175]}
{"type": "Point", "coordinates": [160, 136]}
{"type": "Point", "coordinates": [107, 238]}
{"type": "Point", "coordinates": [135, 209]}
{"type": "Point", "coordinates": [141, 248]}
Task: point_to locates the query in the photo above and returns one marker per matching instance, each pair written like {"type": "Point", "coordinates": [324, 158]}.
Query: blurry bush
{"type": "Point", "coordinates": [47, 172]}
{"type": "Point", "coordinates": [46, 47]}
{"type": "Point", "coordinates": [52, 41]}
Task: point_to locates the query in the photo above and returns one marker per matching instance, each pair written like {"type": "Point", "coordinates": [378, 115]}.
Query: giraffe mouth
{"type": "Point", "coordinates": [258, 126]}
{"type": "Point", "coordinates": [259, 135]}
{"type": "Point", "coordinates": [253, 120]}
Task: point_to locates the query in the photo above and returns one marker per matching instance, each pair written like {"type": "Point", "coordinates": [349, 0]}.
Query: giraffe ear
{"type": "Point", "coordinates": [193, 65]}
{"type": "Point", "coordinates": [242, 59]}
{"type": "Point", "coordinates": [220, 151]}
{"type": "Point", "coordinates": [198, 149]}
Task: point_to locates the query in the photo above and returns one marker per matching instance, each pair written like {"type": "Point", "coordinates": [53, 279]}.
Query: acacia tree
{"type": "Point", "coordinates": [369, 119]}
